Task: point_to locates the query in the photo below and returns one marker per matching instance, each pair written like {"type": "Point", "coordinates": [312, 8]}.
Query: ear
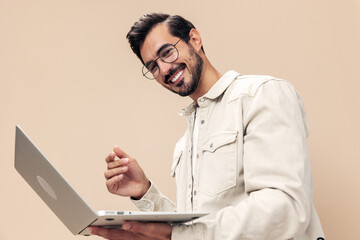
{"type": "Point", "coordinates": [195, 39]}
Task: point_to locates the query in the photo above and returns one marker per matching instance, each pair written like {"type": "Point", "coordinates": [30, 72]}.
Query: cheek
{"type": "Point", "coordinates": [189, 62]}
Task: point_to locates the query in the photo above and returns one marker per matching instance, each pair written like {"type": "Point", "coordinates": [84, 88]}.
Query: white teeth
{"type": "Point", "coordinates": [177, 76]}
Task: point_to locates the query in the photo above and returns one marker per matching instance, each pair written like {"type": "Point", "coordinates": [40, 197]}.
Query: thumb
{"type": "Point", "coordinates": [120, 153]}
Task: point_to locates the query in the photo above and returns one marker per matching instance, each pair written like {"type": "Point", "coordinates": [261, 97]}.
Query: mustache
{"type": "Point", "coordinates": [172, 71]}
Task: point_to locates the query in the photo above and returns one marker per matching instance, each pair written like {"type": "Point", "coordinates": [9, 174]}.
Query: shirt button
{"type": "Point", "coordinates": [202, 121]}
{"type": "Point", "coordinates": [202, 100]}
{"type": "Point", "coordinates": [195, 193]}
{"type": "Point", "coordinates": [189, 185]}
{"type": "Point", "coordinates": [197, 155]}
{"type": "Point", "coordinates": [211, 145]}
{"type": "Point", "coordinates": [148, 205]}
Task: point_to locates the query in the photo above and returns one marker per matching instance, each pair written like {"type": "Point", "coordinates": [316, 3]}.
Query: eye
{"type": "Point", "coordinates": [153, 67]}
{"type": "Point", "coordinates": [167, 52]}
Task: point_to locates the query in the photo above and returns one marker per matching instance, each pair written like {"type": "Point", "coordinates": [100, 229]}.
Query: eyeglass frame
{"type": "Point", "coordinates": [159, 57]}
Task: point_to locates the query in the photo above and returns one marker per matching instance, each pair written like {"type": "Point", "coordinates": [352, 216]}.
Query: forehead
{"type": "Point", "coordinates": [156, 38]}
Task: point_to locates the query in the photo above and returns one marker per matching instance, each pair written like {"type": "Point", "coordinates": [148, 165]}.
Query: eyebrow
{"type": "Point", "coordinates": [157, 54]}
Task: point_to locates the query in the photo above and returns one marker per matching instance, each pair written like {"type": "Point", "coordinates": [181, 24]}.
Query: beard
{"type": "Point", "coordinates": [185, 89]}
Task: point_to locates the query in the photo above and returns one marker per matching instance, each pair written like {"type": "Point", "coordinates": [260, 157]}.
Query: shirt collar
{"type": "Point", "coordinates": [215, 91]}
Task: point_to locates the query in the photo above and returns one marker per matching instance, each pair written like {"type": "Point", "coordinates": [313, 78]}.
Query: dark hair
{"type": "Point", "coordinates": [178, 26]}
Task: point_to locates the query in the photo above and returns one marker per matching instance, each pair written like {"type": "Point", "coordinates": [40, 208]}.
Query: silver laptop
{"type": "Point", "coordinates": [66, 203]}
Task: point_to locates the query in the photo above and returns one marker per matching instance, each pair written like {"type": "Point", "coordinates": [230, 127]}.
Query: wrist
{"type": "Point", "coordinates": [143, 190]}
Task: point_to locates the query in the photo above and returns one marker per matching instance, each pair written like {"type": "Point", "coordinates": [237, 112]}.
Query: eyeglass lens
{"type": "Point", "coordinates": [168, 55]}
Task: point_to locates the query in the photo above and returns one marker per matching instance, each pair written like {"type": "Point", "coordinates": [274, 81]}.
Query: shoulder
{"type": "Point", "coordinates": [249, 85]}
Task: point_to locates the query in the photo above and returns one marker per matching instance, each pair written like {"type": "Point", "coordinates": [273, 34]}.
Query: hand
{"type": "Point", "coordinates": [135, 230]}
{"type": "Point", "coordinates": [124, 176]}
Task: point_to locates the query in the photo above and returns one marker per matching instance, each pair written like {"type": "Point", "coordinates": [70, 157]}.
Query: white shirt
{"type": "Point", "coordinates": [253, 171]}
{"type": "Point", "coordinates": [195, 139]}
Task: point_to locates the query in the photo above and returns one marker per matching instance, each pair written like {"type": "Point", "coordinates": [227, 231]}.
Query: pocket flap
{"type": "Point", "coordinates": [175, 163]}
{"type": "Point", "coordinates": [219, 139]}
{"type": "Point", "coordinates": [178, 151]}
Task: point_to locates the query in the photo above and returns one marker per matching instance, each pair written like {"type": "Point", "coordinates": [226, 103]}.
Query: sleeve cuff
{"type": "Point", "coordinates": [149, 201]}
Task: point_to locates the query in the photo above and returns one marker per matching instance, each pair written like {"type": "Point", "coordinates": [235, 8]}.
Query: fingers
{"type": "Point", "coordinates": [110, 157]}
{"type": "Point", "coordinates": [149, 229]}
{"type": "Point", "coordinates": [118, 163]}
{"type": "Point", "coordinates": [120, 153]}
{"type": "Point", "coordinates": [135, 230]}
{"type": "Point", "coordinates": [115, 234]}
{"type": "Point", "coordinates": [111, 183]}
{"type": "Point", "coordinates": [115, 168]}
{"type": "Point", "coordinates": [116, 153]}
{"type": "Point", "coordinates": [115, 172]}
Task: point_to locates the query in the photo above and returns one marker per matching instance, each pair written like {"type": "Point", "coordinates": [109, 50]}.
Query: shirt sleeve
{"type": "Point", "coordinates": [277, 174]}
{"type": "Point", "coordinates": [153, 200]}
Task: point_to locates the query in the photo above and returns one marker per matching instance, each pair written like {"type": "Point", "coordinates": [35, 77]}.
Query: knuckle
{"type": "Point", "coordinates": [117, 163]}
{"type": "Point", "coordinates": [114, 164]}
{"type": "Point", "coordinates": [107, 174]}
{"type": "Point", "coordinates": [110, 165]}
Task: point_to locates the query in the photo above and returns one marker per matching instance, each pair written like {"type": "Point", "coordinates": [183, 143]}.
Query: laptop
{"type": "Point", "coordinates": [66, 203]}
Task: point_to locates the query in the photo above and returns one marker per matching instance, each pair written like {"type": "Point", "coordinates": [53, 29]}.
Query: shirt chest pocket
{"type": "Point", "coordinates": [218, 167]}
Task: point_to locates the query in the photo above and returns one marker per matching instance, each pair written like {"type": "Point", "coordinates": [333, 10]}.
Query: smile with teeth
{"type": "Point", "coordinates": [174, 79]}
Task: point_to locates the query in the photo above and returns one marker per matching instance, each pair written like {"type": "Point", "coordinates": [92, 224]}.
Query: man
{"type": "Point", "coordinates": [243, 158]}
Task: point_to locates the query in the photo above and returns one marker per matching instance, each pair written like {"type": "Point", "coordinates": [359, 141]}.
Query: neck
{"type": "Point", "coordinates": [209, 77]}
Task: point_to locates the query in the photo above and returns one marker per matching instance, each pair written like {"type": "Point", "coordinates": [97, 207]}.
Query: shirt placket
{"type": "Point", "coordinates": [189, 181]}
{"type": "Point", "coordinates": [202, 113]}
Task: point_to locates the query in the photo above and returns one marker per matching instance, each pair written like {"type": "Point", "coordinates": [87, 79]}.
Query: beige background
{"type": "Point", "coordinates": [68, 77]}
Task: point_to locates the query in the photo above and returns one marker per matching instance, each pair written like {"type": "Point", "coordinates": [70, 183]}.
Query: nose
{"type": "Point", "coordinates": [164, 67]}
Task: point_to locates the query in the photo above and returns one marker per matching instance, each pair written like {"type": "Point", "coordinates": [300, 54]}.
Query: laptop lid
{"type": "Point", "coordinates": [52, 188]}
{"type": "Point", "coordinates": [66, 203]}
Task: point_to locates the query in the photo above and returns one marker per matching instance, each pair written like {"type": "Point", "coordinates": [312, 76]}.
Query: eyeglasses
{"type": "Point", "coordinates": [168, 54]}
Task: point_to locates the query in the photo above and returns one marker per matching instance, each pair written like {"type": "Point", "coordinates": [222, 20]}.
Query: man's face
{"type": "Point", "coordinates": [183, 75]}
